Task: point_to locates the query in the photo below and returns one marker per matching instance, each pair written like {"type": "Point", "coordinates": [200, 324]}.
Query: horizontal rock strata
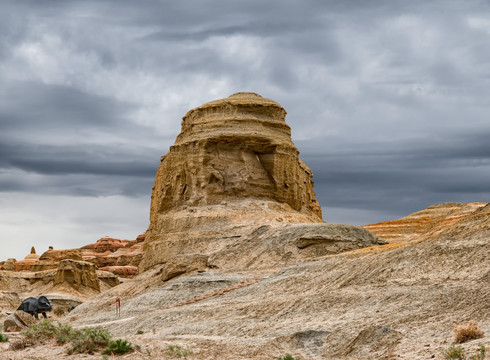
{"type": "Point", "coordinates": [233, 168]}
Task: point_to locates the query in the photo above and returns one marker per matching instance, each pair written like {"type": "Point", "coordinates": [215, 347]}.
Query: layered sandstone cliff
{"type": "Point", "coordinates": [232, 170]}
{"type": "Point", "coordinates": [425, 223]}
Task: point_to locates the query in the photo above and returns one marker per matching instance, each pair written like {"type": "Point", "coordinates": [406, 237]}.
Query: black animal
{"type": "Point", "coordinates": [35, 306]}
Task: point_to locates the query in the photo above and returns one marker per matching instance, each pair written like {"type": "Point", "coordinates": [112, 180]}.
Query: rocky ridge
{"type": "Point", "coordinates": [424, 223]}
{"type": "Point", "coordinates": [384, 302]}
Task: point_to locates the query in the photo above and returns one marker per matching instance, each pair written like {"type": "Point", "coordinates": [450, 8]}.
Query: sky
{"type": "Point", "coordinates": [388, 102]}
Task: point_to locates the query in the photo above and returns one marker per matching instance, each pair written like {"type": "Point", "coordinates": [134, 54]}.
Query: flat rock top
{"type": "Point", "coordinates": [240, 98]}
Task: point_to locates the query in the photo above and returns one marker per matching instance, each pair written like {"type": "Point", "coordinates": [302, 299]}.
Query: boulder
{"type": "Point", "coordinates": [108, 278]}
{"type": "Point", "coordinates": [17, 321]}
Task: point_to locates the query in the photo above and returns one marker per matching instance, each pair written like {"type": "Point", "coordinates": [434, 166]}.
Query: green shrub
{"type": "Point", "coordinates": [287, 357]}
{"type": "Point", "coordinates": [118, 346]}
{"type": "Point", "coordinates": [3, 338]}
{"type": "Point", "coordinates": [41, 331]}
{"type": "Point", "coordinates": [458, 353]}
{"type": "Point", "coordinates": [178, 351]}
{"type": "Point", "coordinates": [88, 340]}
{"type": "Point", "coordinates": [63, 333]}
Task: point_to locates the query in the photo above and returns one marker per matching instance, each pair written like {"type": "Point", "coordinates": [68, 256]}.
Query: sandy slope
{"type": "Point", "coordinates": [390, 302]}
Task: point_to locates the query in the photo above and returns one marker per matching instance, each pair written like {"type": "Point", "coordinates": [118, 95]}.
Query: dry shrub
{"type": "Point", "coordinates": [21, 343]}
{"type": "Point", "coordinates": [58, 311]}
{"type": "Point", "coordinates": [470, 331]}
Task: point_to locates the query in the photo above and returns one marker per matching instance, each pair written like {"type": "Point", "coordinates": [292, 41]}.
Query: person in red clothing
{"type": "Point", "coordinates": [118, 306]}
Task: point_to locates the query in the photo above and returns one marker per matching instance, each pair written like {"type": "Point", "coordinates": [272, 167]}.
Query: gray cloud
{"type": "Point", "coordinates": [387, 100]}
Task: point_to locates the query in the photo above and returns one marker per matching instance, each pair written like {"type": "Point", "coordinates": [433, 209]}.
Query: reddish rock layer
{"type": "Point", "coordinates": [123, 256]}
{"type": "Point", "coordinates": [424, 223]}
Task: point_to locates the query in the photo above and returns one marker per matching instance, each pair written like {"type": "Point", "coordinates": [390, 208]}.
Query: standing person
{"type": "Point", "coordinates": [118, 306]}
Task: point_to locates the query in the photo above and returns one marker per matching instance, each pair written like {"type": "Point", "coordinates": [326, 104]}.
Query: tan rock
{"type": "Point", "coordinates": [111, 252]}
{"type": "Point", "coordinates": [182, 264]}
{"type": "Point", "coordinates": [233, 168]}
{"type": "Point", "coordinates": [425, 223]}
{"type": "Point", "coordinates": [28, 262]}
{"type": "Point", "coordinates": [121, 271]}
{"type": "Point", "coordinates": [77, 274]}
{"type": "Point", "coordinates": [9, 265]}
{"type": "Point", "coordinates": [17, 321]}
{"type": "Point", "coordinates": [108, 278]}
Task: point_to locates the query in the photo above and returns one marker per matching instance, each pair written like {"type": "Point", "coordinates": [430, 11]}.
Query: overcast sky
{"type": "Point", "coordinates": [388, 101]}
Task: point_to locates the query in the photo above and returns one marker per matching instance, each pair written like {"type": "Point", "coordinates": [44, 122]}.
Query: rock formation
{"type": "Point", "coordinates": [77, 274]}
{"type": "Point", "coordinates": [28, 262]}
{"type": "Point", "coordinates": [18, 321]}
{"type": "Point", "coordinates": [425, 223]}
{"type": "Point", "coordinates": [120, 257]}
{"type": "Point", "coordinates": [9, 265]}
{"type": "Point", "coordinates": [232, 170]}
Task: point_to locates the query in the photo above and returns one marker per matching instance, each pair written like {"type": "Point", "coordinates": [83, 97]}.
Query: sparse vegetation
{"type": "Point", "coordinates": [41, 331]}
{"type": "Point", "coordinates": [3, 338]}
{"type": "Point", "coordinates": [118, 346]}
{"type": "Point", "coordinates": [458, 353]}
{"type": "Point", "coordinates": [63, 333]}
{"type": "Point", "coordinates": [178, 351]}
{"type": "Point", "coordinates": [139, 332]}
{"type": "Point", "coordinates": [470, 331]}
{"type": "Point", "coordinates": [287, 357]}
{"type": "Point", "coordinates": [88, 340]}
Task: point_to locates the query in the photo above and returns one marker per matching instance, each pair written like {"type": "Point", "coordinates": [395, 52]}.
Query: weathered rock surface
{"type": "Point", "coordinates": [424, 223]}
{"type": "Point", "coordinates": [114, 253]}
{"type": "Point", "coordinates": [77, 274]}
{"type": "Point", "coordinates": [387, 302]}
{"type": "Point", "coordinates": [28, 262]}
{"type": "Point", "coordinates": [9, 265]}
{"type": "Point", "coordinates": [122, 271]}
{"type": "Point", "coordinates": [233, 168]}
{"type": "Point", "coordinates": [18, 321]}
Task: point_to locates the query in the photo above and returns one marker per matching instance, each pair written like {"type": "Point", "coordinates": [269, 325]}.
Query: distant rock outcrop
{"type": "Point", "coordinates": [9, 265]}
{"type": "Point", "coordinates": [77, 274]}
{"type": "Point", "coordinates": [425, 223]}
{"type": "Point", "coordinates": [232, 170]}
{"type": "Point", "coordinates": [120, 257]}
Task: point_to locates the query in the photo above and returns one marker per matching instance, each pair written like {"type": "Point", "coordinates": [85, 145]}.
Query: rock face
{"type": "Point", "coordinates": [28, 262]}
{"type": "Point", "coordinates": [17, 321]}
{"type": "Point", "coordinates": [77, 274]}
{"type": "Point", "coordinates": [9, 265]}
{"type": "Point", "coordinates": [122, 256]}
{"type": "Point", "coordinates": [425, 223]}
{"type": "Point", "coordinates": [233, 169]}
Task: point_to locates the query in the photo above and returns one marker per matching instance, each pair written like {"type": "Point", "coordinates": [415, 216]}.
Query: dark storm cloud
{"type": "Point", "coordinates": [391, 95]}
{"type": "Point", "coordinates": [34, 105]}
{"type": "Point", "coordinates": [402, 176]}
